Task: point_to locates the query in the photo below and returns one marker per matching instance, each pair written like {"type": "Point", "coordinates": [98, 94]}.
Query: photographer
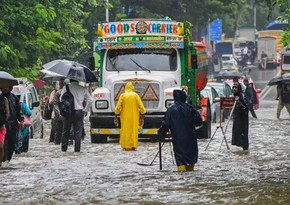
{"type": "Point", "coordinates": [240, 119]}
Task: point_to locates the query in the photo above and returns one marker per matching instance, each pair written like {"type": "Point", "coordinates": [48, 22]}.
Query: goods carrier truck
{"type": "Point", "coordinates": [157, 56]}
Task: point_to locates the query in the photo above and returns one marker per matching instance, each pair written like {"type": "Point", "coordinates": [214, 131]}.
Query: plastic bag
{"type": "Point", "coordinates": [27, 121]}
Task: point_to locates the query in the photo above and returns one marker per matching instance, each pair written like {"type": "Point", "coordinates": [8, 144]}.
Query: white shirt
{"type": "Point", "coordinates": [80, 94]}
{"type": "Point", "coordinates": [245, 50]}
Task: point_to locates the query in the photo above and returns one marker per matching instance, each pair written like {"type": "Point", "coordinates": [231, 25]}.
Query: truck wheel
{"type": "Point", "coordinates": [99, 138]}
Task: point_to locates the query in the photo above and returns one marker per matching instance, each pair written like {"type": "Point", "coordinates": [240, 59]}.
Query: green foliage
{"type": "Point", "coordinates": [33, 32]}
{"type": "Point", "coordinates": [283, 5]}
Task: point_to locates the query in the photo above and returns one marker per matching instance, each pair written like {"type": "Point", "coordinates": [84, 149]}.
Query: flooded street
{"type": "Point", "coordinates": [104, 174]}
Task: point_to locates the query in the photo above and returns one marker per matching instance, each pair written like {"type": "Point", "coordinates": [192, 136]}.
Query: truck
{"type": "Point", "coordinates": [247, 32]}
{"type": "Point", "coordinates": [273, 33]}
{"type": "Point", "coordinates": [157, 56]}
{"type": "Point", "coordinates": [267, 44]}
{"type": "Point", "coordinates": [222, 48]}
{"type": "Point", "coordinates": [270, 40]}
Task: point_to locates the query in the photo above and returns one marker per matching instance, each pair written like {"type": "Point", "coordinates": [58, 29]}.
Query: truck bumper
{"type": "Point", "coordinates": [103, 124]}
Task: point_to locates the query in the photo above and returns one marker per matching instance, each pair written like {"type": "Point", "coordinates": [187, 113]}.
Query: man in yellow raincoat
{"type": "Point", "coordinates": [129, 107]}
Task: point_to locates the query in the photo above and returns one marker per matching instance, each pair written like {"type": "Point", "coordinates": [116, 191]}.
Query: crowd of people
{"type": "Point", "coordinates": [180, 120]}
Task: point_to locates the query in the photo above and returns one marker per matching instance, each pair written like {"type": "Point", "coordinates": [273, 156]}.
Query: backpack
{"type": "Point", "coordinates": [2, 110]}
{"type": "Point", "coordinates": [47, 110]}
{"type": "Point", "coordinates": [66, 105]}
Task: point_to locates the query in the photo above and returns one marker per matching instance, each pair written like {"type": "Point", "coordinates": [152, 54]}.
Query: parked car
{"type": "Point", "coordinates": [229, 65]}
{"type": "Point", "coordinates": [214, 100]}
{"type": "Point", "coordinates": [224, 90]}
{"type": "Point", "coordinates": [32, 100]}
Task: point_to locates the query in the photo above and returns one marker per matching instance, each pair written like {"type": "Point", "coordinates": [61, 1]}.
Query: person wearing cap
{"type": "Point", "coordinates": [181, 119]}
{"type": "Point", "coordinates": [240, 128]}
{"type": "Point", "coordinates": [129, 107]}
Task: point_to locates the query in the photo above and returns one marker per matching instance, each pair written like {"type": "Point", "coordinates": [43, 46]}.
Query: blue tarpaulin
{"type": "Point", "coordinates": [277, 25]}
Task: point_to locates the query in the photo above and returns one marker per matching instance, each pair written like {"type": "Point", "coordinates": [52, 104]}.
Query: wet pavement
{"type": "Point", "coordinates": [105, 174]}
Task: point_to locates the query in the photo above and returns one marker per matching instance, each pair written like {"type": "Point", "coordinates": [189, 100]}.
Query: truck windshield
{"type": "Point", "coordinates": [142, 59]}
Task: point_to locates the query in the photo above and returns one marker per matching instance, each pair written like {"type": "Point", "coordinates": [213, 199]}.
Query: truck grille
{"type": "Point", "coordinates": [148, 92]}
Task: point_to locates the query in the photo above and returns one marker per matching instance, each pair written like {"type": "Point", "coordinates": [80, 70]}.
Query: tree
{"type": "Point", "coordinates": [283, 5]}
{"type": "Point", "coordinates": [34, 32]}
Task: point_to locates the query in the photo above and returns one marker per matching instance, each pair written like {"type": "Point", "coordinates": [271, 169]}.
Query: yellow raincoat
{"type": "Point", "coordinates": [129, 107]}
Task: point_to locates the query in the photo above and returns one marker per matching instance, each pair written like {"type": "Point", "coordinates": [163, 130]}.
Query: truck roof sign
{"type": "Point", "coordinates": [140, 34]}
{"type": "Point", "coordinates": [129, 28]}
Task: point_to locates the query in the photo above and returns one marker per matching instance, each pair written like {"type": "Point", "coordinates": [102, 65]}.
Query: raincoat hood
{"type": "Point", "coordinates": [238, 86]}
{"type": "Point", "coordinates": [129, 87]}
{"type": "Point", "coordinates": [179, 95]}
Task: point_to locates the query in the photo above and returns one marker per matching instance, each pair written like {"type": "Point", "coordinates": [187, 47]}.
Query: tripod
{"type": "Point", "coordinates": [222, 129]}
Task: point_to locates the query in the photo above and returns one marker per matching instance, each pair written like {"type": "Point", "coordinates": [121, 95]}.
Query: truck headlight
{"type": "Point", "coordinates": [168, 103]}
{"type": "Point", "coordinates": [101, 104]}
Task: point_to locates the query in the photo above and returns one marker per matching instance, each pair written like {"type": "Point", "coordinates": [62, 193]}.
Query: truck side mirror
{"type": "Point", "coordinates": [194, 61]}
{"type": "Point", "coordinates": [92, 63]}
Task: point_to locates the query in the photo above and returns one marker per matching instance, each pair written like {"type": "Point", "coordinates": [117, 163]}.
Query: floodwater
{"type": "Point", "coordinates": [105, 174]}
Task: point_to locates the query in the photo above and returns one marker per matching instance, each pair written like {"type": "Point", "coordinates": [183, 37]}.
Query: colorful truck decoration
{"type": "Point", "coordinates": [157, 56]}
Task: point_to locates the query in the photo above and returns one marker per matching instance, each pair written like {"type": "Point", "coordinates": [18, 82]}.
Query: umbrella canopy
{"type": "Point", "coordinates": [39, 83]}
{"type": "Point", "coordinates": [280, 79]}
{"type": "Point", "coordinates": [19, 89]}
{"type": "Point", "coordinates": [228, 74]}
{"type": "Point", "coordinates": [52, 77]}
{"type": "Point", "coordinates": [69, 69]}
{"type": "Point", "coordinates": [7, 80]}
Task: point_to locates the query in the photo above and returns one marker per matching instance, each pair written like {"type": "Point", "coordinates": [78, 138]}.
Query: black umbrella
{"type": "Point", "coordinates": [279, 79]}
{"type": "Point", "coordinates": [7, 80]}
{"type": "Point", "coordinates": [52, 77]}
{"type": "Point", "coordinates": [69, 69]}
{"type": "Point", "coordinates": [225, 74]}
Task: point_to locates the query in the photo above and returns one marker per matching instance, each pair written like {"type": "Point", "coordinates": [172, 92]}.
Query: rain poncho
{"type": "Point", "coordinates": [129, 107]}
{"type": "Point", "coordinates": [181, 119]}
{"type": "Point", "coordinates": [240, 121]}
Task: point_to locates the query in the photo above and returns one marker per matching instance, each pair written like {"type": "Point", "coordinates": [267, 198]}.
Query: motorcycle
{"type": "Point", "coordinates": [248, 66]}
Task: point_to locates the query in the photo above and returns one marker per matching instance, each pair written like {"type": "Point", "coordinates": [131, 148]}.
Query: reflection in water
{"type": "Point", "coordinates": [104, 174]}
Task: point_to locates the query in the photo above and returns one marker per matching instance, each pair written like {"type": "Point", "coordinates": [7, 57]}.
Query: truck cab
{"type": "Point", "coordinates": [156, 58]}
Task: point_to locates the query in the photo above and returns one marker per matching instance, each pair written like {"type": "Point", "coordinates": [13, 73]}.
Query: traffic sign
{"type": "Point", "coordinates": [216, 30]}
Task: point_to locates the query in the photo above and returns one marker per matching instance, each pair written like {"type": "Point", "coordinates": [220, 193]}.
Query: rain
{"type": "Point", "coordinates": [105, 174]}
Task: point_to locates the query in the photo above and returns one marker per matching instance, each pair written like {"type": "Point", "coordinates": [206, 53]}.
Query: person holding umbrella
{"type": "Point", "coordinates": [77, 74]}
{"type": "Point", "coordinates": [80, 95]}
{"type": "Point", "coordinates": [4, 115]}
{"type": "Point", "coordinates": [13, 124]}
{"type": "Point", "coordinates": [281, 104]}
{"type": "Point", "coordinates": [15, 119]}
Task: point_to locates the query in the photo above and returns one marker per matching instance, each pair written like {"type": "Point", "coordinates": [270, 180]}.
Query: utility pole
{"type": "Point", "coordinates": [255, 15]}
{"type": "Point", "coordinates": [107, 10]}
